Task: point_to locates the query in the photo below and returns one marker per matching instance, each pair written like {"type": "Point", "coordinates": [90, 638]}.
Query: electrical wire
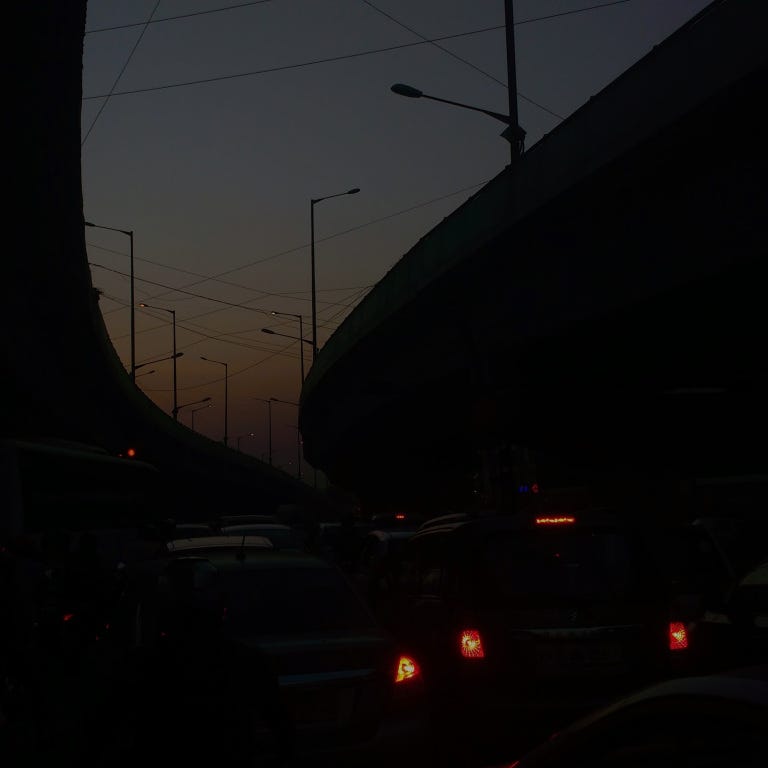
{"type": "Point", "coordinates": [463, 60]}
{"type": "Point", "coordinates": [102, 107]}
{"type": "Point", "coordinates": [174, 18]}
{"type": "Point", "coordinates": [345, 57]}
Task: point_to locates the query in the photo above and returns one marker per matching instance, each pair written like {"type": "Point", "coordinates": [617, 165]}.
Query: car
{"type": "Point", "coordinates": [225, 520]}
{"type": "Point", "coordinates": [378, 568]}
{"type": "Point", "coordinates": [347, 690]}
{"type": "Point", "coordinates": [546, 616]}
{"type": "Point", "coordinates": [709, 721]}
{"type": "Point", "coordinates": [737, 631]}
{"type": "Point", "coordinates": [203, 544]}
{"type": "Point", "coordinates": [281, 536]}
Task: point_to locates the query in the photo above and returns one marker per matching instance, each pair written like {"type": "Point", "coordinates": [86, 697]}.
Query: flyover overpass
{"type": "Point", "coordinates": [602, 303]}
{"type": "Point", "coordinates": [60, 378]}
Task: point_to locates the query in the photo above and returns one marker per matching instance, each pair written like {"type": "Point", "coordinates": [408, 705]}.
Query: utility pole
{"type": "Point", "coordinates": [517, 134]}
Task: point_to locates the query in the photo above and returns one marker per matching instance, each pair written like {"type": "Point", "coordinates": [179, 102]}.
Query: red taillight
{"type": "Point", "coordinates": [471, 644]}
{"type": "Point", "coordinates": [406, 669]}
{"type": "Point", "coordinates": [68, 617]}
{"type": "Point", "coordinates": [678, 636]}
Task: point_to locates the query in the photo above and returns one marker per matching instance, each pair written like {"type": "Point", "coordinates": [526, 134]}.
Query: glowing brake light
{"type": "Point", "coordinates": [678, 636]}
{"type": "Point", "coordinates": [471, 644]}
{"type": "Point", "coordinates": [400, 516]}
{"type": "Point", "coordinates": [556, 520]}
{"type": "Point", "coordinates": [68, 617]}
{"type": "Point", "coordinates": [407, 669]}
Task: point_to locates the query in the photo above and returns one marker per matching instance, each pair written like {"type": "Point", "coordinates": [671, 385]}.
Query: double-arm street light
{"type": "Point", "coordinates": [298, 435]}
{"type": "Point", "coordinates": [226, 396]}
{"type": "Point", "coordinates": [300, 337]}
{"type": "Point", "coordinates": [172, 312]}
{"type": "Point", "coordinates": [312, 204]}
{"type": "Point", "coordinates": [269, 422]}
{"type": "Point", "coordinates": [128, 232]}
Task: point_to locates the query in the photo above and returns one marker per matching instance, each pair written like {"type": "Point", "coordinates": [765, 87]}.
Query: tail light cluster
{"type": "Point", "coordinates": [471, 644]}
{"type": "Point", "coordinates": [678, 636]}
{"type": "Point", "coordinates": [406, 670]}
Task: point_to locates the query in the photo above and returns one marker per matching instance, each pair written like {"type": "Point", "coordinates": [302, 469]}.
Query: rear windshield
{"type": "Point", "coordinates": [599, 563]}
{"type": "Point", "coordinates": [563, 563]}
{"type": "Point", "coordinates": [269, 601]}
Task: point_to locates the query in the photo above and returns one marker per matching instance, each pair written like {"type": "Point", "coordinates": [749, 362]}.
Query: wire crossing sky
{"type": "Point", "coordinates": [207, 128]}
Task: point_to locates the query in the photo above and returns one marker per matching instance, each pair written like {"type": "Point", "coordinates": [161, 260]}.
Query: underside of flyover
{"type": "Point", "coordinates": [61, 378]}
{"type": "Point", "coordinates": [617, 333]}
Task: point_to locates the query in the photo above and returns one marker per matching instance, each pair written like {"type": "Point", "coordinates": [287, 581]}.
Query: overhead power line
{"type": "Point", "coordinates": [326, 238]}
{"type": "Point", "coordinates": [174, 18]}
{"type": "Point", "coordinates": [462, 60]}
{"type": "Point", "coordinates": [347, 56]}
{"type": "Point", "coordinates": [119, 75]}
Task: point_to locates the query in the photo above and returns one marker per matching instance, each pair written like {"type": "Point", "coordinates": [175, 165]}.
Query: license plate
{"type": "Point", "coordinates": [324, 707]}
{"type": "Point", "coordinates": [562, 657]}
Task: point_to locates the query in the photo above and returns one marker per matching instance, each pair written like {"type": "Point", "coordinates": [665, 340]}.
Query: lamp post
{"type": "Point", "coordinates": [226, 377]}
{"type": "Point", "coordinates": [195, 410]}
{"type": "Point", "coordinates": [128, 232]}
{"type": "Point", "coordinates": [159, 360]}
{"type": "Point", "coordinates": [298, 435]}
{"type": "Point", "coordinates": [269, 423]}
{"type": "Point", "coordinates": [301, 337]}
{"type": "Point", "coordinates": [175, 410]}
{"type": "Point", "coordinates": [195, 402]}
{"type": "Point", "coordinates": [312, 204]}
{"type": "Point", "coordinates": [513, 132]}
{"type": "Point", "coordinates": [240, 437]}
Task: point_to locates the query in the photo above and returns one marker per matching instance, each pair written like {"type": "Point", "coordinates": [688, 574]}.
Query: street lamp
{"type": "Point", "coordinates": [312, 204]}
{"type": "Point", "coordinates": [513, 132]}
{"type": "Point", "coordinates": [128, 232]}
{"type": "Point", "coordinates": [195, 410]}
{"type": "Point", "coordinates": [301, 337]}
{"type": "Point", "coordinates": [240, 437]}
{"type": "Point", "coordinates": [226, 377]}
{"type": "Point", "coordinates": [159, 360]}
{"type": "Point", "coordinates": [175, 410]}
{"type": "Point", "coordinates": [298, 435]}
{"type": "Point", "coordinates": [269, 423]}
{"type": "Point", "coordinates": [195, 402]}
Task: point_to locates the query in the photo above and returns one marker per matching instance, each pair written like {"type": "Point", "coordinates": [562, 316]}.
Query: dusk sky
{"type": "Point", "coordinates": [215, 178]}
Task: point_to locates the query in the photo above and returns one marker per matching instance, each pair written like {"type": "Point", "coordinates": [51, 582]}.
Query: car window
{"type": "Point", "coordinates": [268, 601]}
{"type": "Point", "coordinates": [423, 566]}
{"type": "Point", "coordinates": [581, 563]}
{"type": "Point", "coordinates": [687, 559]}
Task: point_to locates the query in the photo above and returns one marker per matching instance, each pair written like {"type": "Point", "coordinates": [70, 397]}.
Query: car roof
{"type": "Point", "coordinates": [246, 519]}
{"type": "Point", "coordinates": [230, 529]}
{"type": "Point", "coordinates": [387, 534]}
{"type": "Point", "coordinates": [218, 542]}
{"type": "Point", "coordinates": [749, 685]}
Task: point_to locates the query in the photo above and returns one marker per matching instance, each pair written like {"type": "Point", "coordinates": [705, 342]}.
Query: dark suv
{"type": "Point", "coordinates": [514, 616]}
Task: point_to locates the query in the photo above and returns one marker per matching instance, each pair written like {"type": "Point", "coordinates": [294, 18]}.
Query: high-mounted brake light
{"type": "Point", "coordinates": [678, 636]}
{"type": "Point", "coordinates": [471, 644]}
{"type": "Point", "coordinates": [400, 516]}
{"type": "Point", "coordinates": [407, 669]}
{"type": "Point", "coordinates": [556, 520]}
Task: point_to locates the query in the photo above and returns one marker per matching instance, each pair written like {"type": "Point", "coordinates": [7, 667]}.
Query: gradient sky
{"type": "Point", "coordinates": [215, 178]}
